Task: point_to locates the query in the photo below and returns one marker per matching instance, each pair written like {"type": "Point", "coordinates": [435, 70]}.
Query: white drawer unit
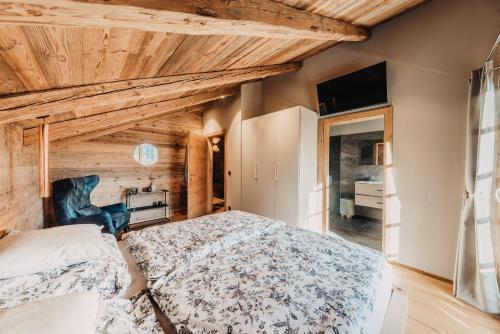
{"type": "Point", "coordinates": [369, 189]}
{"type": "Point", "coordinates": [369, 194]}
{"type": "Point", "coordinates": [370, 201]}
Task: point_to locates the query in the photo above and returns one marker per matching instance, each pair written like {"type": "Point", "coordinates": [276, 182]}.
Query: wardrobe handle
{"type": "Point", "coordinates": [255, 170]}
{"type": "Point", "coordinates": [276, 176]}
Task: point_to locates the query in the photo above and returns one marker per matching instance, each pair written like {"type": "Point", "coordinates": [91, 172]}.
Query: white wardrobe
{"type": "Point", "coordinates": [279, 159]}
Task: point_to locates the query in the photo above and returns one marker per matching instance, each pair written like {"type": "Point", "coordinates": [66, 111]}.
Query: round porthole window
{"type": "Point", "coordinates": [146, 154]}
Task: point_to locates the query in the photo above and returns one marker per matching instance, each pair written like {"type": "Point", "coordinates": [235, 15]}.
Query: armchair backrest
{"type": "Point", "coordinates": [69, 195]}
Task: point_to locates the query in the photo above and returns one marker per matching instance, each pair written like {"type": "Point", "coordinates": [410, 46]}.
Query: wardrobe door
{"type": "Point", "coordinates": [266, 155]}
{"type": "Point", "coordinates": [249, 171]}
{"type": "Point", "coordinates": [287, 165]}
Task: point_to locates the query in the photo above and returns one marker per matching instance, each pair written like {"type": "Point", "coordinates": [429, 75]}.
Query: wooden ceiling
{"type": "Point", "coordinates": [48, 46]}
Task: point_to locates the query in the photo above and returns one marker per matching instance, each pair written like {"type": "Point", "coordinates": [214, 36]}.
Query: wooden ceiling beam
{"type": "Point", "coordinates": [258, 18]}
{"type": "Point", "coordinates": [81, 126]}
{"type": "Point", "coordinates": [126, 126]}
{"type": "Point", "coordinates": [82, 100]}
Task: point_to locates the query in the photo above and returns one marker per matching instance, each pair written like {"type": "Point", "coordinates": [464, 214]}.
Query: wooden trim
{"type": "Point", "coordinates": [256, 18]}
{"type": "Point", "coordinates": [43, 158]}
{"type": "Point", "coordinates": [324, 154]}
{"type": "Point", "coordinates": [83, 100]}
{"type": "Point", "coordinates": [420, 271]}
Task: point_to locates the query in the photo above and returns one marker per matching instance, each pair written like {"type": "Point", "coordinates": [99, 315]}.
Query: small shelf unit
{"type": "Point", "coordinates": [166, 205]}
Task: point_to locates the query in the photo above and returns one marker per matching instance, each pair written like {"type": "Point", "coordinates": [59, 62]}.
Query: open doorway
{"type": "Point", "coordinates": [356, 169]}
{"type": "Point", "coordinates": [216, 169]}
{"type": "Point", "coordinates": [354, 160]}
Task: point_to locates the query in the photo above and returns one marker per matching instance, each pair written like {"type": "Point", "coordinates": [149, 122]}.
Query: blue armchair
{"type": "Point", "coordinates": [71, 200]}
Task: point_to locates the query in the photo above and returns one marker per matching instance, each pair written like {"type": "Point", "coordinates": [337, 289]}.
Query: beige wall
{"type": "Point", "coordinates": [430, 52]}
{"type": "Point", "coordinates": [20, 206]}
{"type": "Point", "coordinates": [225, 115]}
{"type": "Point", "coordinates": [251, 100]}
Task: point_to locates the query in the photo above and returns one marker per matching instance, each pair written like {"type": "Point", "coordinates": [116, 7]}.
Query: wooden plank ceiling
{"type": "Point", "coordinates": [45, 49]}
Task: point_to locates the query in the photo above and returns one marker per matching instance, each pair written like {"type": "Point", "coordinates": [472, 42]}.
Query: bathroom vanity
{"type": "Point", "coordinates": [369, 193]}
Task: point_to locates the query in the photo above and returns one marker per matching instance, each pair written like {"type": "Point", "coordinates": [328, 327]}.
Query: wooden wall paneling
{"type": "Point", "coordinates": [116, 95]}
{"type": "Point", "coordinates": [154, 51]}
{"type": "Point", "coordinates": [362, 12]}
{"type": "Point", "coordinates": [9, 82]}
{"type": "Point", "coordinates": [18, 54]}
{"type": "Point", "coordinates": [84, 125]}
{"type": "Point", "coordinates": [37, 57]}
{"type": "Point", "coordinates": [259, 18]}
{"type": "Point", "coordinates": [111, 157]}
{"type": "Point", "coordinates": [197, 175]}
{"type": "Point", "coordinates": [20, 206]}
{"type": "Point", "coordinates": [172, 126]}
{"type": "Point", "coordinates": [53, 54]}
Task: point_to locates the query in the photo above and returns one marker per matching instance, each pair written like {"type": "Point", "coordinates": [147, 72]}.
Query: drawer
{"type": "Point", "coordinates": [369, 189]}
{"type": "Point", "coordinates": [369, 201]}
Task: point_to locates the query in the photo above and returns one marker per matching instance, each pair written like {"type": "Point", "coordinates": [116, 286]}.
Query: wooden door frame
{"type": "Point", "coordinates": [210, 169]}
{"type": "Point", "coordinates": [324, 156]}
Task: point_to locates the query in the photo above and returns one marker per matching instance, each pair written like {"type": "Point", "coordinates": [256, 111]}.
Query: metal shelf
{"type": "Point", "coordinates": [167, 212]}
{"type": "Point", "coordinates": [149, 207]}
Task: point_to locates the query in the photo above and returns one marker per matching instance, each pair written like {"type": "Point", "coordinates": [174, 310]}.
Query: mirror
{"type": "Point", "coordinates": [146, 154]}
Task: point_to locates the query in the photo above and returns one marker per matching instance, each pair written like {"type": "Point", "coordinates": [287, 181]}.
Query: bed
{"type": "Point", "coordinates": [237, 272]}
{"type": "Point", "coordinates": [109, 277]}
{"type": "Point", "coordinates": [125, 306]}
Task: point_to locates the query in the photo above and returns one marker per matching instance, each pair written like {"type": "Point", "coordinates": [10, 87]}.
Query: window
{"type": "Point", "coordinates": [146, 154]}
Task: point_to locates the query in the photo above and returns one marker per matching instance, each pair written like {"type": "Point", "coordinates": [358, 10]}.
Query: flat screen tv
{"type": "Point", "coordinates": [361, 89]}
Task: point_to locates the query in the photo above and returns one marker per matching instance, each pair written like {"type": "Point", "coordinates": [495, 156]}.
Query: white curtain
{"type": "Point", "coordinates": [476, 278]}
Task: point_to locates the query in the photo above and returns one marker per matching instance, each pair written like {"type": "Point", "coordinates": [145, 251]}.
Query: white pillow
{"type": "Point", "coordinates": [75, 314]}
{"type": "Point", "coordinates": [43, 250]}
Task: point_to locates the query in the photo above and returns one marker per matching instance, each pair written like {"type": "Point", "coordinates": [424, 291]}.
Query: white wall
{"type": "Point", "coordinates": [430, 52]}
{"type": "Point", "coordinates": [225, 115]}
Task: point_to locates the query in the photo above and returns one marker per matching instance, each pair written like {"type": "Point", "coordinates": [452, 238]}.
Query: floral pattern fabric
{"type": "Point", "coordinates": [123, 316]}
{"type": "Point", "coordinates": [236, 272]}
{"type": "Point", "coordinates": [109, 276]}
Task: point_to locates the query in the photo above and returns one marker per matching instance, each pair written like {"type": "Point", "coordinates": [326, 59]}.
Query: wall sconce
{"type": "Point", "coordinates": [215, 141]}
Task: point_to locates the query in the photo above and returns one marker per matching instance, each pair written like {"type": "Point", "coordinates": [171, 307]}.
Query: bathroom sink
{"type": "Point", "coordinates": [369, 182]}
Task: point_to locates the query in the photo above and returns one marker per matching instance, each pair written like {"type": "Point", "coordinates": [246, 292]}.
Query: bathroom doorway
{"type": "Point", "coordinates": [353, 169]}
{"type": "Point", "coordinates": [216, 173]}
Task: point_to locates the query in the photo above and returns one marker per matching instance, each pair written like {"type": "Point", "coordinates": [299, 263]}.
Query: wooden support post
{"type": "Point", "coordinates": [43, 154]}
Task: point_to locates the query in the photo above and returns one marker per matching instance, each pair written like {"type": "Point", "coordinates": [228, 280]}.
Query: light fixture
{"type": "Point", "coordinates": [215, 140]}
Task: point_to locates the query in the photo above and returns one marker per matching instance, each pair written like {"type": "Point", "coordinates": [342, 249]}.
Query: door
{"type": "Point", "coordinates": [266, 158]}
{"type": "Point", "coordinates": [197, 171]}
{"type": "Point", "coordinates": [250, 129]}
{"type": "Point", "coordinates": [287, 165]}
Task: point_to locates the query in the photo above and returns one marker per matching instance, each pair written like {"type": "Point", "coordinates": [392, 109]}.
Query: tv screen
{"type": "Point", "coordinates": [360, 89]}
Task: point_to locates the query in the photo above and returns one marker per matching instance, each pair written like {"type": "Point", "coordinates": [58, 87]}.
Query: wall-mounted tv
{"type": "Point", "coordinates": [356, 90]}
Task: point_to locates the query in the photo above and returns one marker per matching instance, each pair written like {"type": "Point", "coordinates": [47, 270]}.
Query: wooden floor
{"type": "Point", "coordinates": [433, 309]}
{"type": "Point", "coordinates": [361, 230]}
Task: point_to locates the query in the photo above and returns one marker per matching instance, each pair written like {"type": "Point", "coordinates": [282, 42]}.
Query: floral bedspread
{"type": "Point", "coordinates": [236, 272]}
{"type": "Point", "coordinates": [123, 316]}
{"type": "Point", "coordinates": [108, 276]}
